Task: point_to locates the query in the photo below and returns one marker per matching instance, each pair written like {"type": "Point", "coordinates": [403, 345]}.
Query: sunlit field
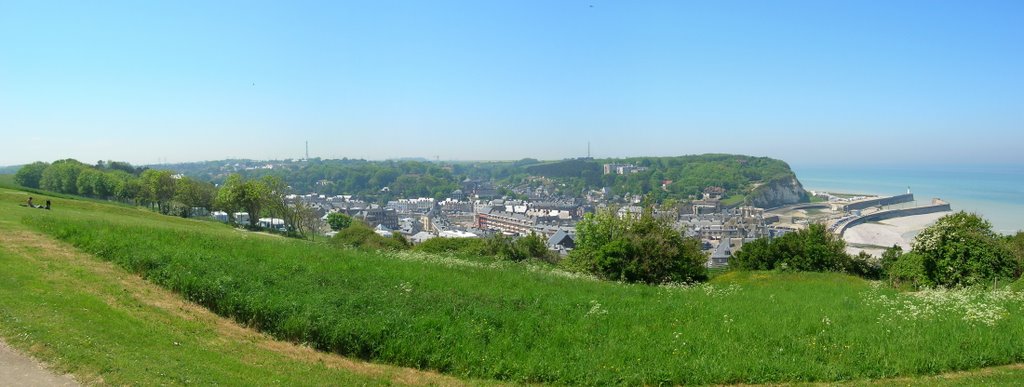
{"type": "Point", "coordinates": [531, 322]}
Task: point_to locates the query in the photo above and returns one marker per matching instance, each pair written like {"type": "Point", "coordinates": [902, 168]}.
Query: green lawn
{"type": "Point", "coordinates": [734, 200]}
{"type": "Point", "coordinates": [469, 318]}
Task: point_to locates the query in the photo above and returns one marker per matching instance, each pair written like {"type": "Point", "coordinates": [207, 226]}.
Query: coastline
{"type": "Point", "coordinates": [875, 237]}
{"type": "Point", "coordinates": [994, 192]}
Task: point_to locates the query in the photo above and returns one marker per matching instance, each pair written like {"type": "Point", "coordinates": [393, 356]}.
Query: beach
{"type": "Point", "coordinates": [875, 237]}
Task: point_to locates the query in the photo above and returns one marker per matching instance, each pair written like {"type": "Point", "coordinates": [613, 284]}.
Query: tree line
{"type": "Point", "coordinates": [686, 175]}
{"type": "Point", "coordinates": [170, 193]}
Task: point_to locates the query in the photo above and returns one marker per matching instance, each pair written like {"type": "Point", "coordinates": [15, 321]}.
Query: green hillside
{"type": "Point", "coordinates": [487, 319]}
{"type": "Point", "coordinates": [659, 178]}
{"type": "Point", "coordinates": [106, 326]}
{"type": "Point", "coordinates": [678, 178]}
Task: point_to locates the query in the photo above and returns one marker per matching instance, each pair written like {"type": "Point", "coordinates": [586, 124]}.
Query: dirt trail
{"type": "Point", "coordinates": [17, 370]}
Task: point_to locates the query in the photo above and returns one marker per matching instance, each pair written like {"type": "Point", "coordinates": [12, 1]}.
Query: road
{"type": "Point", "coordinates": [18, 370]}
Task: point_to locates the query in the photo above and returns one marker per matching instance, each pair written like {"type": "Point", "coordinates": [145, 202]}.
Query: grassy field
{"type": "Point", "coordinates": [103, 325]}
{"type": "Point", "coordinates": [469, 318]}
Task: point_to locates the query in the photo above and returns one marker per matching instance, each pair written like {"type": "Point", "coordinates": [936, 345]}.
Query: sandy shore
{"type": "Point", "coordinates": [874, 238]}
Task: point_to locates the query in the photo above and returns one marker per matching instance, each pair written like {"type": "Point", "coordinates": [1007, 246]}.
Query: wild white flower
{"type": "Point", "coordinates": [976, 306]}
{"type": "Point", "coordinates": [404, 287]}
{"type": "Point", "coordinates": [710, 290]}
{"type": "Point", "coordinates": [596, 309]}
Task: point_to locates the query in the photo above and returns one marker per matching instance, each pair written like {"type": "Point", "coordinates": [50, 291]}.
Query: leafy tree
{"type": "Point", "coordinates": [192, 193]}
{"type": "Point", "coordinates": [158, 188]}
{"type": "Point", "coordinates": [307, 223]}
{"type": "Point", "coordinates": [128, 189]}
{"type": "Point", "coordinates": [30, 175]}
{"type": "Point", "coordinates": [124, 167]}
{"type": "Point", "coordinates": [105, 185]}
{"type": "Point", "coordinates": [275, 190]}
{"type": "Point", "coordinates": [642, 249]}
{"type": "Point", "coordinates": [62, 176]}
{"type": "Point", "coordinates": [338, 220]}
{"type": "Point", "coordinates": [248, 195]}
{"type": "Point", "coordinates": [961, 250]}
{"type": "Point", "coordinates": [87, 182]}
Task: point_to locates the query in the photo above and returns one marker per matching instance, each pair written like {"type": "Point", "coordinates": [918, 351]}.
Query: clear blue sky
{"type": "Point", "coordinates": [810, 82]}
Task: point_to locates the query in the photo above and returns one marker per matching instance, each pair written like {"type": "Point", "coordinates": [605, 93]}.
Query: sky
{"type": "Point", "coordinates": [809, 82]}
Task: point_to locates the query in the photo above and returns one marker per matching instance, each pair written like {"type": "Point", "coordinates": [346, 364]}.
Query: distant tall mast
{"type": "Point", "coordinates": [588, 149]}
{"type": "Point", "coordinates": [307, 149]}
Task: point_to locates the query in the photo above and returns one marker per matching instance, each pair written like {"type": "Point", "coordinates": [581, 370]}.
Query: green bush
{"type": "Point", "coordinates": [962, 250]}
{"type": "Point", "coordinates": [1015, 244]}
{"type": "Point", "coordinates": [519, 249]}
{"type": "Point", "coordinates": [811, 249]}
{"type": "Point", "coordinates": [338, 220]}
{"type": "Point", "coordinates": [644, 249]}
{"type": "Point", "coordinates": [906, 271]}
{"type": "Point", "coordinates": [469, 246]}
{"type": "Point", "coordinates": [864, 265]}
{"type": "Point", "coordinates": [361, 236]}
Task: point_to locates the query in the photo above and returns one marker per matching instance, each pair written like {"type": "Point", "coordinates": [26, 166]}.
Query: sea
{"type": "Point", "coordinates": [995, 192]}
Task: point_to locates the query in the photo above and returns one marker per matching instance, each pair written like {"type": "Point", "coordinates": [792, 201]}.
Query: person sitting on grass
{"type": "Point", "coordinates": [30, 202]}
{"type": "Point", "coordinates": [47, 205]}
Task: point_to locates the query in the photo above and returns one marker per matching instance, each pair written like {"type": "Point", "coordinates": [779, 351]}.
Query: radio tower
{"type": "Point", "coordinates": [307, 150]}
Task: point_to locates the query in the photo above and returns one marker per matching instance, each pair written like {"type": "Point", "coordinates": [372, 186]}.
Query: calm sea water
{"type": "Point", "coordinates": [995, 192]}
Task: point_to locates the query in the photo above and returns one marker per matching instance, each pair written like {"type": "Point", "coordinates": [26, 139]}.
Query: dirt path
{"type": "Point", "coordinates": [17, 369]}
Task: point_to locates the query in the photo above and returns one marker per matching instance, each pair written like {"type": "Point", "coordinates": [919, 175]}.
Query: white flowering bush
{"type": "Point", "coordinates": [961, 250]}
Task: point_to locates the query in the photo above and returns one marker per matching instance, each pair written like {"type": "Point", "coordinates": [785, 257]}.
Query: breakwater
{"type": "Point", "coordinates": [883, 201]}
{"type": "Point", "coordinates": [937, 206]}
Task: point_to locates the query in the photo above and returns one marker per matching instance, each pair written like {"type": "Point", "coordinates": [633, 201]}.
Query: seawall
{"type": "Point", "coordinates": [886, 201]}
{"type": "Point", "coordinates": [936, 206]}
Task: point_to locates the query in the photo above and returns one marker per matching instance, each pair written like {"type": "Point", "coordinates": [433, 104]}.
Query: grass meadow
{"type": "Point", "coordinates": [106, 326]}
{"type": "Point", "coordinates": [485, 319]}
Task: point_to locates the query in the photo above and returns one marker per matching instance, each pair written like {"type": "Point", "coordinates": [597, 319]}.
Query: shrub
{"type": "Point", "coordinates": [359, 235]}
{"type": "Point", "coordinates": [1015, 244]}
{"type": "Point", "coordinates": [906, 271]}
{"type": "Point", "coordinates": [644, 249]}
{"type": "Point", "coordinates": [962, 250]}
{"type": "Point", "coordinates": [338, 220]}
{"type": "Point", "coordinates": [519, 249]}
{"type": "Point", "coordinates": [811, 249]}
{"type": "Point", "coordinates": [864, 265]}
{"type": "Point", "coordinates": [755, 255]}
{"type": "Point", "coordinates": [470, 246]}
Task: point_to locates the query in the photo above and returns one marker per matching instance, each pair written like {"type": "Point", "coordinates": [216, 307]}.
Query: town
{"type": "Point", "coordinates": [481, 208]}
